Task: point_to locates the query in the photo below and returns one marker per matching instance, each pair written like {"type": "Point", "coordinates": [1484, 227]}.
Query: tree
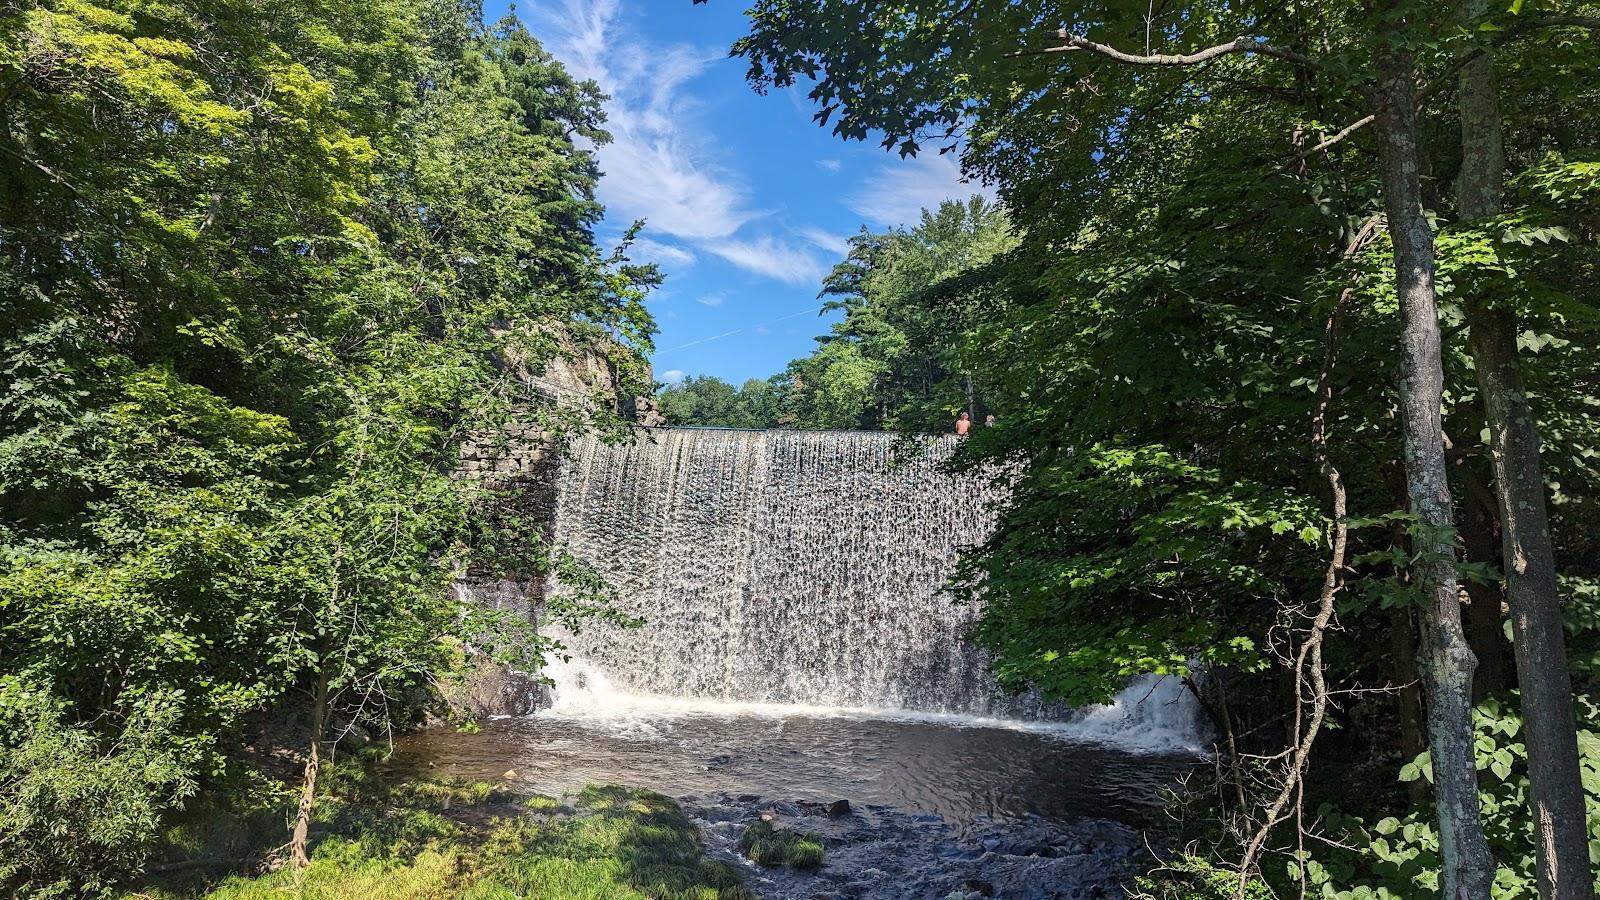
{"type": "Point", "coordinates": [263, 272]}
{"type": "Point", "coordinates": [1560, 826]}
{"type": "Point", "coordinates": [892, 362]}
{"type": "Point", "coordinates": [1013, 78]}
{"type": "Point", "coordinates": [704, 400]}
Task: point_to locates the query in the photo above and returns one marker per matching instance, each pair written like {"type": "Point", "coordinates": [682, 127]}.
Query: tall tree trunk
{"type": "Point", "coordinates": [1468, 868]}
{"type": "Point", "coordinates": [308, 790]}
{"type": "Point", "coordinates": [1485, 622]}
{"type": "Point", "coordinates": [1538, 639]}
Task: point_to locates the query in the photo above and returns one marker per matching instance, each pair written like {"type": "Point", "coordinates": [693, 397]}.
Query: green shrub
{"type": "Point", "coordinates": [1193, 878]}
{"type": "Point", "coordinates": [82, 813]}
{"type": "Point", "coordinates": [1398, 856]}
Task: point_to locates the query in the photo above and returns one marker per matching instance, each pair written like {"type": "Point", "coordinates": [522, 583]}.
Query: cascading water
{"type": "Point", "coordinates": [798, 569]}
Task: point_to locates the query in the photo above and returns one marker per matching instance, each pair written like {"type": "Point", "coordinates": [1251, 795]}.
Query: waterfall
{"type": "Point", "coordinates": [796, 569]}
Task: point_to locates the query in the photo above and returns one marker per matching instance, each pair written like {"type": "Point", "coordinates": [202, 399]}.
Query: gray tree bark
{"type": "Point", "coordinates": [1555, 785]}
{"type": "Point", "coordinates": [1468, 867]}
{"type": "Point", "coordinates": [299, 838]}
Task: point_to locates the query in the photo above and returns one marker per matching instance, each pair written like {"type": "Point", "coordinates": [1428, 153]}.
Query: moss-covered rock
{"type": "Point", "coordinates": [767, 845]}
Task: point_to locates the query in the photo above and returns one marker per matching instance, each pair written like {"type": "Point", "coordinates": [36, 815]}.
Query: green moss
{"type": "Point", "coordinates": [544, 805]}
{"type": "Point", "coordinates": [619, 843]}
{"type": "Point", "coordinates": [768, 846]}
{"type": "Point", "coordinates": [427, 839]}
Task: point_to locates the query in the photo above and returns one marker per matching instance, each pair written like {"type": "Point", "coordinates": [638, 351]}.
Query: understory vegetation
{"type": "Point", "coordinates": [421, 838]}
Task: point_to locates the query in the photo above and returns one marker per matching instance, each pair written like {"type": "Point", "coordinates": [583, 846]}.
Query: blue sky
{"type": "Point", "coordinates": [748, 202]}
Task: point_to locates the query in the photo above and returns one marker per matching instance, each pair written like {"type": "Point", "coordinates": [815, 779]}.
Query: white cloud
{"type": "Point", "coordinates": [829, 165]}
{"type": "Point", "coordinates": [658, 166]}
{"type": "Point", "coordinates": [712, 300]}
{"type": "Point", "coordinates": [647, 250]}
{"type": "Point", "coordinates": [672, 376]}
{"type": "Point", "coordinates": [772, 258]}
{"type": "Point", "coordinates": [897, 192]}
{"type": "Point", "coordinates": [664, 164]}
{"type": "Point", "coordinates": [827, 240]}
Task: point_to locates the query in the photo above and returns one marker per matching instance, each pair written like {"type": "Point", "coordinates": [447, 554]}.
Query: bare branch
{"type": "Point", "coordinates": [1308, 667]}
{"type": "Point", "coordinates": [1072, 42]}
{"type": "Point", "coordinates": [45, 170]}
{"type": "Point", "coordinates": [1342, 133]}
{"type": "Point", "coordinates": [1590, 22]}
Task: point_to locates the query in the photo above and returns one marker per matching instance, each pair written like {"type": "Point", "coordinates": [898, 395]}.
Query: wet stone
{"type": "Point", "coordinates": [882, 854]}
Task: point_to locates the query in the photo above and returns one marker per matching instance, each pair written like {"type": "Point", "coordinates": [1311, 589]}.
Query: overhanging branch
{"type": "Point", "coordinates": [1072, 42]}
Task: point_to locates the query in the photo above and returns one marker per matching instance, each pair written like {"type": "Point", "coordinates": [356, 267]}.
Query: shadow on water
{"type": "Point", "coordinates": [962, 773]}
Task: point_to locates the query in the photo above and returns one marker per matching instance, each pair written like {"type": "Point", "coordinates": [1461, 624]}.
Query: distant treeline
{"type": "Point", "coordinates": [893, 362]}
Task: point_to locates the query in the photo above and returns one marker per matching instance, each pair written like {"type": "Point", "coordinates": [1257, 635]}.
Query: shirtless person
{"type": "Point", "coordinates": [963, 423]}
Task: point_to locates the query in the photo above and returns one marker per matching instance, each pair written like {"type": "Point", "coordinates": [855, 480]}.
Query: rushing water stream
{"type": "Point", "coordinates": [799, 647]}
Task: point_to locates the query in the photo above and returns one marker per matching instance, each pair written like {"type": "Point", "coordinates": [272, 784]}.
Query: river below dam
{"type": "Point", "coordinates": [799, 649]}
{"type": "Point", "coordinates": [938, 807]}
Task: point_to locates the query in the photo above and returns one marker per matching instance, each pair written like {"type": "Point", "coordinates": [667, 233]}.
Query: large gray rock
{"type": "Point", "coordinates": [490, 690]}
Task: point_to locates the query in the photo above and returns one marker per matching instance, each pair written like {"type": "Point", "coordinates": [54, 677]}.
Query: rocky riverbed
{"type": "Point", "coordinates": [874, 852]}
{"type": "Point", "coordinates": [937, 809]}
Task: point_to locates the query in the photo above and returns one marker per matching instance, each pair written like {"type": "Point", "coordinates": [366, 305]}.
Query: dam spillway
{"type": "Point", "coordinates": [800, 570]}
{"type": "Point", "coordinates": [781, 567]}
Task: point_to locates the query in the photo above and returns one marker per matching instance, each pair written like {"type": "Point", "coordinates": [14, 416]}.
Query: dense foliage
{"type": "Point", "coordinates": [1201, 252]}
{"type": "Point", "coordinates": [892, 362]}
{"type": "Point", "coordinates": [264, 267]}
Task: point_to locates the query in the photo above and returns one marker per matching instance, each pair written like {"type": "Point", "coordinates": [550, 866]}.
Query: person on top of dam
{"type": "Point", "coordinates": [963, 423]}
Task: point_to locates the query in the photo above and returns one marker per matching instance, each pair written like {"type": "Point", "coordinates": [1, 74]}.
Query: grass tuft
{"type": "Point", "coordinates": [768, 846]}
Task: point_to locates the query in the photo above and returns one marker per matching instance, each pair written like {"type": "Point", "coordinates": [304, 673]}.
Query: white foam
{"type": "Point", "coordinates": [791, 574]}
{"type": "Point", "coordinates": [1154, 714]}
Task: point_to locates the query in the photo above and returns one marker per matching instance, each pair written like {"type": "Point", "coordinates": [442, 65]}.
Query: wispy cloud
{"type": "Point", "coordinates": [772, 258]}
{"type": "Point", "coordinates": [829, 165]}
{"type": "Point", "coordinates": [657, 166]}
{"type": "Point", "coordinates": [712, 300]}
{"type": "Point", "coordinates": [648, 250]}
{"type": "Point", "coordinates": [663, 164]}
{"type": "Point", "coordinates": [897, 192]}
{"type": "Point", "coordinates": [672, 376]}
{"type": "Point", "coordinates": [827, 240]}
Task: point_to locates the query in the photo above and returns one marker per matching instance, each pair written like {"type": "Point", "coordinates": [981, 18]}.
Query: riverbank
{"type": "Point", "coordinates": [383, 835]}
{"type": "Point", "coordinates": [436, 839]}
